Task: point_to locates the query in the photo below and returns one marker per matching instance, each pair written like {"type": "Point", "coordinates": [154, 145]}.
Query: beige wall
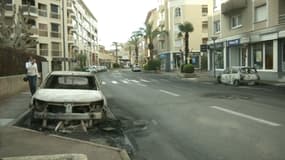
{"type": "Point", "coordinates": [11, 85]}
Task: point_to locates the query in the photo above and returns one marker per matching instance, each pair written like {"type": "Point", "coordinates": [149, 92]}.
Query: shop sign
{"type": "Point", "coordinates": [203, 48]}
{"type": "Point", "coordinates": [234, 42]}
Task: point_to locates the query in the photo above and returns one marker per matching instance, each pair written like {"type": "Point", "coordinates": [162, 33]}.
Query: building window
{"type": "Point", "coordinates": [204, 10]}
{"type": "Point", "coordinates": [217, 26]}
{"type": "Point", "coordinates": [177, 12]}
{"type": "Point", "coordinates": [42, 9]}
{"type": "Point", "coordinates": [55, 30]}
{"type": "Point", "coordinates": [178, 43]}
{"type": "Point", "coordinates": [43, 30]}
{"type": "Point", "coordinates": [43, 49]}
{"type": "Point", "coordinates": [162, 44]}
{"type": "Point", "coordinates": [205, 27]}
{"type": "Point", "coordinates": [219, 58]}
{"type": "Point", "coordinates": [54, 11]}
{"type": "Point", "coordinates": [258, 55]}
{"type": "Point", "coordinates": [28, 2]}
{"type": "Point", "coordinates": [55, 49]}
{"type": "Point", "coordinates": [236, 21]}
{"type": "Point", "coordinates": [260, 13]}
{"type": "Point", "coordinates": [269, 55]}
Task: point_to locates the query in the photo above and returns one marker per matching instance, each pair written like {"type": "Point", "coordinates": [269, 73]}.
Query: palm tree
{"type": "Point", "coordinates": [135, 40]}
{"type": "Point", "coordinates": [185, 29]}
{"type": "Point", "coordinates": [150, 34]}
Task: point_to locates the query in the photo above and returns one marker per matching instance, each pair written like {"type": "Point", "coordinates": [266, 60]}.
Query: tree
{"type": "Point", "coordinates": [185, 29]}
{"type": "Point", "coordinates": [150, 34]}
{"type": "Point", "coordinates": [135, 41]}
{"type": "Point", "coordinates": [16, 34]}
{"type": "Point", "coordinates": [82, 60]}
{"type": "Point", "coordinates": [116, 50]}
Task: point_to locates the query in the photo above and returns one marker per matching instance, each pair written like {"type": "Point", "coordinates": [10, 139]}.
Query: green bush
{"type": "Point", "coordinates": [145, 67]}
{"type": "Point", "coordinates": [188, 68]}
{"type": "Point", "coordinates": [153, 65]}
{"type": "Point", "coordinates": [181, 67]}
{"type": "Point", "coordinates": [116, 65]}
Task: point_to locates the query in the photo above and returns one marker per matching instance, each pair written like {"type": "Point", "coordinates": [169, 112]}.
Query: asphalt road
{"type": "Point", "coordinates": [185, 120]}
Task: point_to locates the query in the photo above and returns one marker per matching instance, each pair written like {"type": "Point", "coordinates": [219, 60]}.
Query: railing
{"type": "Point", "coordinates": [44, 52]}
{"type": "Point", "coordinates": [43, 33]}
{"type": "Point", "coordinates": [29, 9]}
{"type": "Point", "coordinates": [54, 15]}
{"type": "Point", "coordinates": [56, 53]}
{"type": "Point", "coordinates": [42, 12]}
{"type": "Point", "coordinates": [8, 7]}
{"type": "Point", "coordinates": [55, 34]}
{"type": "Point", "coordinates": [282, 19]}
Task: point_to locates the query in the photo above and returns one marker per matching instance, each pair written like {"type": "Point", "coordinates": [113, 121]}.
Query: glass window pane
{"type": "Point", "coordinates": [258, 55]}
{"type": "Point", "coordinates": [260, 13]}
{"type": "Point", "coordinates": [269, 55]}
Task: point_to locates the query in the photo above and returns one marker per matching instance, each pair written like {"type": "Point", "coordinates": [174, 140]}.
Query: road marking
{"type": "Point", "coordinates": [103, 83]}
{"type": "Point", "coordinates": [124, 81]}
{"type": "Point", "coordinates": [143, 85]}
{"type": "Point", "coordinates": [143, 80]}
{"type": "Point", "coordinates": [114, 82]}
{"type": "Point", "coordinates": [135, 81]}
{"type": "Point", "coordinates": [170, 93]}
{"type": "Point", "coordinates": [246, 116]}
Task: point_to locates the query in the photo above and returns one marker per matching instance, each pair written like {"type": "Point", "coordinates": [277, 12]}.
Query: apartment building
{"type": "Point", "coordinates": [172, 13]}
{"type": "Point", "coordinates": [249, 33]}
{"type": "Point", "coordinates": [63, 29]}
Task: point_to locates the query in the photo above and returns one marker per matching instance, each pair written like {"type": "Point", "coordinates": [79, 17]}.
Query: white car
{"type": "Point", "coordinates": [238, 75]}
{"type": "Point", "coordinates": [136, 68]}
{"type": "Point", "coordinates": [68, 96]}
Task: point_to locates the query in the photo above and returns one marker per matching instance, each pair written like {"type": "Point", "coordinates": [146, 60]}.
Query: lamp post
{"type": "Point", "coordinates": [214, 38]}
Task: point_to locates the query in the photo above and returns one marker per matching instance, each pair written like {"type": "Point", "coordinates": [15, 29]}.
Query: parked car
{"type": "Point", "coordinates": [136, 68]}
{"type": "Point", "coordinates": [69, 96]}
{"type": "Point", "coordinates": [238, 75]}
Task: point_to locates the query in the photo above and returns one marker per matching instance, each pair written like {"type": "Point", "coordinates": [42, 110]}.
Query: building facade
{"type": "Point", "coordinates": [248, 33]}
{"type": "Point", "coordinates": [63, 29]}
{"type": "Point", "coordinates": [172, 13]}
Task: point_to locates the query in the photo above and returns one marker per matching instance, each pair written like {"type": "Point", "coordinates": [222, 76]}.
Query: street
{"type": "Point", "coordinates": [186, 120]}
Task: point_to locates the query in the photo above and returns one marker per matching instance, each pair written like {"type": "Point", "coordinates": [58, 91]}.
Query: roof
{"type": "Point", "coordinates": [68, 73]}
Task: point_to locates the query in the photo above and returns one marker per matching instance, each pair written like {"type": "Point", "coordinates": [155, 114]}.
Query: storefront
{"type": "Point", "coordinates": [216, 57]}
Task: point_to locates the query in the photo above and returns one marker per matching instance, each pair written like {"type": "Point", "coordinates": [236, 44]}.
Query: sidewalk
{"type": "Point", "coordinates": [16, 141]}
{"type": "Point", "coordinates": [205, 76]}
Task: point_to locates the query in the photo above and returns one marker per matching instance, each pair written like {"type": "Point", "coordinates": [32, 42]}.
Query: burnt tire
{"type": "Point", "coordinates": [236, 82]}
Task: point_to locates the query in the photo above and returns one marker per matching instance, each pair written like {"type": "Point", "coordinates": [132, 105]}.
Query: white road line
{"type": "Point", "coordinates": [134, 81]}
{"type": "Point", "coordinates": [246, 116]}
{"type": "Point", "coordinates": [124, 81]}
{"type": "Point", "coordinates": [143, 80]}
{"type": "Point", "coordinates": [114, 82]}
{"type": "Point", "coordinates": [143, 85]}
{"type": "Point", "coordinates": [103, 83]}
{"type": "Point", "coordinates": [170, 93]}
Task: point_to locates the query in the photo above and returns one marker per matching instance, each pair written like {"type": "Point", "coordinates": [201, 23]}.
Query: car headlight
{"type": "Point", "coordinates": [39, 105]}
{"type": "Point", "coordinates": [96, 106]}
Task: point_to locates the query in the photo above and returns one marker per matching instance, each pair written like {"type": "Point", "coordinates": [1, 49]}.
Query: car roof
{"type": "Point", "coordinates": [73, 73]}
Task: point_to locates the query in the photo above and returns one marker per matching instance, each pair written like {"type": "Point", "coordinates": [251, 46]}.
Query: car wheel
{"type": "Point", "coordinates": [219, 79]}
{"type": "Point", "coordinates": [236, 82]}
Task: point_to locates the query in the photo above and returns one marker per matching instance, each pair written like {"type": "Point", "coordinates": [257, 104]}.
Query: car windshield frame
{"type": "Point", "coordinates": [71, 82]}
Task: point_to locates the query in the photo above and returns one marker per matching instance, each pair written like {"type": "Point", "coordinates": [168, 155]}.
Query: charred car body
{"type": "Point", "coordinates": [67, 96]}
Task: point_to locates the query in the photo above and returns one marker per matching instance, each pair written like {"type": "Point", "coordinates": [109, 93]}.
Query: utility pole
{"type": "Point", "coordinates": [116, 50]}
{"type": "Point", "coordinates": [214, 39]}
{"type": "Point", "coordinates": [63, 36]}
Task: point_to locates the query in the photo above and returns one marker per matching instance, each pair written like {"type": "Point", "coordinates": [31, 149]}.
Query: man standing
{"type": "Point", "coordinates": [32, 73]}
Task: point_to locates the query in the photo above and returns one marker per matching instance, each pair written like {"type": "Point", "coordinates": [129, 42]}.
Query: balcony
{"type": "Point", "coordinates": [72, 15]}
{"type": "Point", "coordinates": [9, 8]}
{"type": "Point", "coordinates": [70, 39]}
{"type": "Point", "coordinates": [69, 5]}
{"type": "Point", "coordinates": [55, 34]}
{"type": "Point", "coordinates": [54, 15]}
{"type": "Point", "coordinates": [29, 10]}
{"type": "Point", "coordinates": [231, 5]}
{"type": "Point", "coordinates": [34, 32]}
{"type": "Point", "coordinates": [43, 33]}
{"type": "Point", "coordinates": [69, 22]}
{"type": "Point", "coordinates": [282, 19]}
{"type": "Point", "coordinates": [42, 13]}
{"type": "Point", "coordinates": [44, 52]}
{"type": "Point", "coordinates": [56, 53]}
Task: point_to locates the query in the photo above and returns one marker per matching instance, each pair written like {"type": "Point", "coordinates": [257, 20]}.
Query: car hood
{"type": "Point", "coordinates": [68, 95]}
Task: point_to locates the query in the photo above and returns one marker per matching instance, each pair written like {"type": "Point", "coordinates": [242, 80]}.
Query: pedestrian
{"type": "Point", "coordinates": [32, 74]}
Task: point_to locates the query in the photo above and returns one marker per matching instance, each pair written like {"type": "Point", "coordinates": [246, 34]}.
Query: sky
{"type": "Point", "coordinates": [117, 19]}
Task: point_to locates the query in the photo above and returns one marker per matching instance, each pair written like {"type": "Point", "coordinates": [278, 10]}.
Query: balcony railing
{"type": "Point", "coordinates": [231, 5]}
{"type": "Point", "coordinates": [44, 52]}
{"type": "Point", "coordinates": [54, 15]}
{"type": "Point", "coordinates": [29, 10]}
{"type": "Point", "coordinates": [282, 19]}
{"type": "Point", "coordinates": [43, 33]}
{"type": "Point", "coordinates": [42, 12]}
{"type": "Point", "coordinates": [56, 53]}
{"type": "Point", "coordinates": [55, 34]}
{"type": "Point", "coordinates": [34, 31]}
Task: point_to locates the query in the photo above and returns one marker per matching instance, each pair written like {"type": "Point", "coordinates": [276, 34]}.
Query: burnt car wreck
{"type": "Point", "coordinates": [66, 98]}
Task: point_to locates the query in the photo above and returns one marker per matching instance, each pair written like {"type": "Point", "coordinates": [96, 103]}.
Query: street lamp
{"type": "Point", "coordinates": [214, 38]}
